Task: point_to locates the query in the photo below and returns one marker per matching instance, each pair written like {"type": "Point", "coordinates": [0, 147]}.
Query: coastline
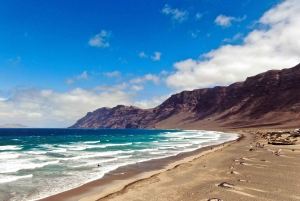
{"type": "Point", "coordinates": [236, 170]}
{"type": "Point", "coordinates": [116, 189]}
{"type": "Point", "coordinates": [125, 175]}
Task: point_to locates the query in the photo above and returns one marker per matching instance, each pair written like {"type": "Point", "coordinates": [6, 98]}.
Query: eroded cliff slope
{"type": "Point", "coordinates": [271, 98]}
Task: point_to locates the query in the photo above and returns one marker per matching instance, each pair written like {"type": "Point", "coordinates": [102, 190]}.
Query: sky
{"type": "Point", "coordinates": [62, 59]}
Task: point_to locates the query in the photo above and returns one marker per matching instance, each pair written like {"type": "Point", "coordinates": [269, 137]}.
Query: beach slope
{"type": "Point", "coordinates": [241, 170]}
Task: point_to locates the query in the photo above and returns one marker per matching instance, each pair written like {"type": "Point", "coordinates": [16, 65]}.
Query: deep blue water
{"type": "Point", "coordinates": [36, 163]}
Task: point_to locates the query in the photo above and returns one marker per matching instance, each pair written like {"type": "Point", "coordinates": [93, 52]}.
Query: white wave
{"type": "Point", "coordinates": [8, 178]}
{"type": "Point", "coordinates": [166, 147]}
{"type": "Point", "coordinates": [107, 145]}
{"type": "Point", "coordinates": [58, 150]}
{"type": "Point", "coordinates": [210, 137]}
{"type": "Point", "coordinates": [14, 166]}
{"type": "Point", "coordinates": [193, 137]}
{"type": "Point", "coordinates": [125, 144]}
{"type": "Point", "coordinates": [94, 163]}
{"type": "Point", "coordinates": [177, 138]}
{"type": "Point", "coordinates": [183, 145]}
{"type": "Point", "coordinates": [10, 147]}
{"type": "Point", "coordinates": [9, 155]}
{"type": "Point", "coordinates": [125, 156]}
{"type": "Point", "coordinates": [36, 152]}
{"type": "Point", "coordinates": [92, 142]}
{"type": "Point", "coordinates": [77, 148]}
{"type": "Point", "coordinates": [147, 150]}
{"type": "Point", "coordinates": [158, 152]}
{"type": "Point", "coordinates": [129, 151]}
{"type": "Point", "coordinates": [94, 155]}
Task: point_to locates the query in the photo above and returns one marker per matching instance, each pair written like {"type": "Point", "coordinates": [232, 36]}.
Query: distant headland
{"type": "Point", "coordinates": [13, 125]}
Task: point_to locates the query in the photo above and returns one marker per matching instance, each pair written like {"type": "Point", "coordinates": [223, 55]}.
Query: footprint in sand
{"type": "Point", "coordinates": [242, 180]}
{"type": "Point", "coordinates": [243, 163]}
{"type": "Point", "coordinates": [214, 199]}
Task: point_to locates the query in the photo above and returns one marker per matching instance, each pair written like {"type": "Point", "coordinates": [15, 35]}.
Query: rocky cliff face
{"type": "Point", "coordinates": [267, 99]}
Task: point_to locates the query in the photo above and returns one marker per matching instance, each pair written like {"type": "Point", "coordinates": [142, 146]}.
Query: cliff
{"type": "Point", "coordinates": [267, 99]}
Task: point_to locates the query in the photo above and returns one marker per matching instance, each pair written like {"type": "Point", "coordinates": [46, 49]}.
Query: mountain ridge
{"type": "Point", "coordinates": [268, 98]}
{"type": "Point", "coordinates": [13, 125]}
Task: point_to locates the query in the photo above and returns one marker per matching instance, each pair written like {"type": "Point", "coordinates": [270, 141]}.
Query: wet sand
{"type": "Point", "coordinates": [128, 174]}
{"type": "Point", "coordinates": [227, 172]}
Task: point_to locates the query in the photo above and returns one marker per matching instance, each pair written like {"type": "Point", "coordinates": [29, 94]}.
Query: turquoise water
{"type": "Point", "coordinates": [37, 163]}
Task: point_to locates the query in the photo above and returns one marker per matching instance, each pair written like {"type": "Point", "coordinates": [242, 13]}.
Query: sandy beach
{"type": "Point", "coordinates": [240, 170]}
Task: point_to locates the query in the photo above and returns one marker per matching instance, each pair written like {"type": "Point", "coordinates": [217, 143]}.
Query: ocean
{"type": "Point", "coordinates": [37, 163]}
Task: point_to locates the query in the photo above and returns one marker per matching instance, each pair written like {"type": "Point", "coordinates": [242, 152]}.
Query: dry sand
{"type": "Point", "coordinates": [228, 172]}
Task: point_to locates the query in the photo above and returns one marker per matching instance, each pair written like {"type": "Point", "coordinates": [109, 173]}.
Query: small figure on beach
{"type": "Point", "coordinates": [99, 165]}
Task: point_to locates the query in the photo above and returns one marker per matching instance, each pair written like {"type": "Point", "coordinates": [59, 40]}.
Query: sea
{"type": "Point", "coordinates": [37, 163]}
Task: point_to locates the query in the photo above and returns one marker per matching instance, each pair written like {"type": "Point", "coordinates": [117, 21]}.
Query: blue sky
{"type": "Point", "coordinates": [61, 59]}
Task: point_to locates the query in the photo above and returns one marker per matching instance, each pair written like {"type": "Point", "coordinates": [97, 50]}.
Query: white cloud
{"type": "Point", "coordinates": [164, 72]}
{"type": "Point", "coordinates": [84, 75]}
{"type": "Point", "coordinates": [149, 77]}
{"type": "Point", "coordinates": [123, 61]}
{"type": "Point", "coordinates": [14, 62]}
{"type": "Point", "coordinates": [136, 88]}
{"type": "Point", "coordinates": [176, 15]}
{"type": "Point", "coordinates": [112, 74]}
{"type": "Point", "coordinates": [47, 108]}
{"type": "Point", "coordinates": [100, 39]}
{"type": "Point", "coordinates": [275, 47]}
{"type": "Point", "coordinates": [69, 81]}
{"type": "Point", "coordinates": [198, 16]}
{"type": "Point", "coordinates": [155, 101]}
{"type": "Point", "coordinates": [235, 38]}
{"type": "Point", "coordinates": [111, 88]}
{"type": "Point", "coordinates": [156, 56]}
{"type": "Point", "coordinates": [194, 34]}
{"type": "Point", "coordinates": [143, 55]}
{"type": "Point", "coordinates": [225, 21]}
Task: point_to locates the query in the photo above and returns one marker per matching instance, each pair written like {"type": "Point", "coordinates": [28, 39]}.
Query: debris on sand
{"type": "Point", "coordinates": [226, 185]}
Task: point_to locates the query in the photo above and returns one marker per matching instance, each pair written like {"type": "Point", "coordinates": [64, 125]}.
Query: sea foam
{"type": "Point", "coordinates": [56, 160]}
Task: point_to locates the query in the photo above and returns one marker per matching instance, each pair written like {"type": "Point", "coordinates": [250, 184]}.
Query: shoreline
{"type": "Point", "coordinates": [235, 170]}
{"type": "Point", "coordinates": [238, 171]}
{"type": "Point", "coordinates": [124, 175]}
{"type": "Point", "coordinates": [112, 190]}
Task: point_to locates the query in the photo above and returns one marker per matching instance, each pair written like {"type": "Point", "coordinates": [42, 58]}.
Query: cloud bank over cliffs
{"type": "Point", "coordinates": [274, 44]}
